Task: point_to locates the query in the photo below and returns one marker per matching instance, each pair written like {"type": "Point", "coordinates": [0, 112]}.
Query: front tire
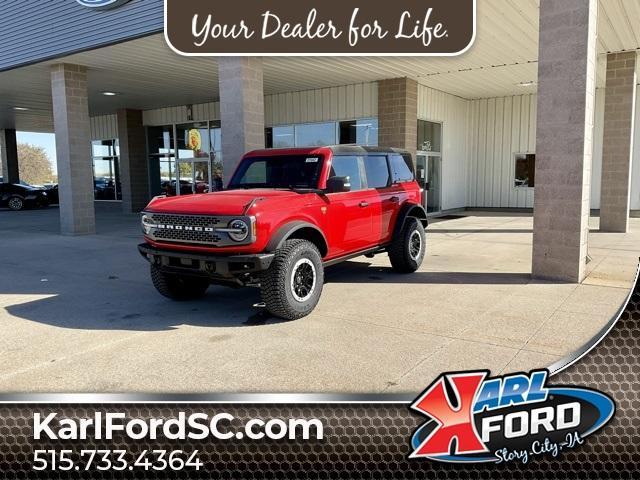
{"type": "Point", "coordinates": [16, 203]}
{"type": "Point", "coordinates": [178, 287]}
{"type": "Point", "coordinates": [292, 285]}
{"type": "Point", "coordinates": [408, 247]}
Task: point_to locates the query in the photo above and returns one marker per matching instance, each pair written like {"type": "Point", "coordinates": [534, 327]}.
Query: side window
{"type": "Point", "coordinates": [377, 171]}
{"type": "Point", "coordinates": [347, 166]}
{"type": "Point", "coordinates": [400, 168]}
{"type": "Point", "coordinates": [256, 173]}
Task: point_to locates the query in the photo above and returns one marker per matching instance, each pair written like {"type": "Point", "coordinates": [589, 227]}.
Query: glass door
{"type": "Point", "coordinates": [434, 192]}
{"type": "Point", "coordinates": [429, 164]}
{"type": "Point", "coordinates": [429, 175]}
{"type": "Point", "coordinates": [193, 141]}
{"type": "Point", "coordinates": [162, 159]}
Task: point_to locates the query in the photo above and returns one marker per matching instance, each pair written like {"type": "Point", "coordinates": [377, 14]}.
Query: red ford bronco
{"type": "Point", "coordinates": [286, 214]}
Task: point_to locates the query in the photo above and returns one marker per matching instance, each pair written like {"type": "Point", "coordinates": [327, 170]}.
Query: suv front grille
{"type": "Point", "coordinates": [194, 229]}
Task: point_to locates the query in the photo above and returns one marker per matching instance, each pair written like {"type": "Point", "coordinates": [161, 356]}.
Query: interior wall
{"type": "Point", "coordinates": [452, 112]}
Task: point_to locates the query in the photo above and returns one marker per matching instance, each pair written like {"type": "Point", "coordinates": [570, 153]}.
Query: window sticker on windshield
{"type": "Point", "coordinates": [311, 160]}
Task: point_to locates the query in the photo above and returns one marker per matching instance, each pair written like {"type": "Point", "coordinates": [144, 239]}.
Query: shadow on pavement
{"type": "Point", "coordinates": [364, 272]}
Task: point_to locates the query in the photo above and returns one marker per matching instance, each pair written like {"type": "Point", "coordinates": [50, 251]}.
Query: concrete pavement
{"type": "Point", "coordinates": [79, 314]}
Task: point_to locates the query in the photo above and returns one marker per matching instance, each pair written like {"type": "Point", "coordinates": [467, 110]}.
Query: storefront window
{"type": "Point", "coordinates": [106, 170]}
{"type": "Point", "coordinates": [162, 159]}
{"type": "Point", "coordinates": [363, 131]}
{"type": "Point", "coordinates": [525, 171]}
{"type": "Point", "coordinates": [315, 134]}
{"type": "Point", "coordinates": [283, 137]}
{"type": "Point", "coordinates": [193, 140]}
{"type": "Point", "coordinates": [429, 136]}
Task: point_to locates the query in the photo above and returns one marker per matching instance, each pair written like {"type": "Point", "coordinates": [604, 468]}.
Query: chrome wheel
{"type": "Point", "coordinates": [16, 203]}
{"type": "Point", "coordinates": [303, 280]}
{"type": "Point", "coordinates": [415, 245]}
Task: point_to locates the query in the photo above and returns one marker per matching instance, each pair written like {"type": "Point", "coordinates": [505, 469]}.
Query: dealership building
{"type": "Point", "coordinates": [539, 112]}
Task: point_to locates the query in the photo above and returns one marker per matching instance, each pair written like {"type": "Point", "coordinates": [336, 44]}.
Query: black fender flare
{"type": "Point", "coordinates": [410, 210]}
{"type": "Point", "coordinates": [289, 230]}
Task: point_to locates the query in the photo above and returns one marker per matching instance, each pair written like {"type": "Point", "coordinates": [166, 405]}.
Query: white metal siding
{"type": "Point", "coordinates": [452, 112]}
{"type": "Point", "coordinates": [345, 102]}
{"type": "Point", "coordinates": [324, 104]}
{"type": "Point", "coordinates": [104, 127]}
{"type": "Point", "coordinates": [165, 116]}
{"type": "Point", "coordinates": [500, 127]}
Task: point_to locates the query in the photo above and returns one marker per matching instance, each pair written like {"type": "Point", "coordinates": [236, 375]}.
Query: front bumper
{"type": "Point", "coordinates": [226, 268]}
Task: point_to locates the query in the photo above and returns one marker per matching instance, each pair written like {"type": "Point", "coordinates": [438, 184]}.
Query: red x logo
{"type": "Point", "coordinates": [452, 422]}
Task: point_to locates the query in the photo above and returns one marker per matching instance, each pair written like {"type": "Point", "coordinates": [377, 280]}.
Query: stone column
{"type": "Point", "coordinates": [73, 148]}
{"type": "Point", "coordinates": [241, 109]}
{"type": "Point", "coordinates": [398, 114]}
{"type": "Point", "coordinates": [566, 97]}
{"type": "Point", "coordinates": [617, 150]}
{"type": "Point", "coordinates": [134, 171]}
{"type": "Point", "coordinates": [9, 155]}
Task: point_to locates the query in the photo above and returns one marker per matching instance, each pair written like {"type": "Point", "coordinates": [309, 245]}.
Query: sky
{"type": "Point", "coordinates": [44, 140]}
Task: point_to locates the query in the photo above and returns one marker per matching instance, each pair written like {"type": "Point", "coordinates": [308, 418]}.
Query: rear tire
{"type": "Point", "coordinates": [292, 285]}
{"type": "Point", "coordinates": [16, 203]}
{"type": "Point", "coordinates": [408, 247]}
{"type": "Point", "coordinates": [178, 287]}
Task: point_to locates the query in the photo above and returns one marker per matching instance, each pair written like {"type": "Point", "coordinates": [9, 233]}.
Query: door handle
{"type": "Point", "coordinates": [364, 204]}
{"type": "Point", "coordinates": [394, 199]}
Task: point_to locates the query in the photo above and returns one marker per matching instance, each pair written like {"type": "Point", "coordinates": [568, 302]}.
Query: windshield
{"type": "Point", "coordinates": [283, 171]}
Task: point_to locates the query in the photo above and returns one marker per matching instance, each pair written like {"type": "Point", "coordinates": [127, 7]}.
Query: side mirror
{"type": "Point", "coordinates": [338, 184]}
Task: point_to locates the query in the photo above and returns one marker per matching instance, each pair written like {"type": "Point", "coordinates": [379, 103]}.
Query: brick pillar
{"type": "Point", "coordinates": [9, 155]}
{"type": "Point", "coordinates": [73, 148]}
{"type": "Point", "coordinates": [398, 114]}
{"type": "Point", "coordinates": [566, 97]}
{"type": "Point", "coordinates": [617, 151]}
{"type": "Point", "coordinates": [134, 171]}
{"type": "Point", "coordinates": [241, 109]}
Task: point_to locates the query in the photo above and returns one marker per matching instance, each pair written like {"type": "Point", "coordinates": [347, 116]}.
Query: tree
{"type": "Point", "coordinates": [34, 164]}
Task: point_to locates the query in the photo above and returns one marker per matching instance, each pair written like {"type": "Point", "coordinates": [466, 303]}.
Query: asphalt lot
{"type": "Point", "coordinates": [79, 314]}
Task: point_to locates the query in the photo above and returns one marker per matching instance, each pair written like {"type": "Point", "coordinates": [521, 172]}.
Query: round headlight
{"type": "Point", "coordinates": [238, 230]}
{"type": "Point", "coordinates": [147, 223]}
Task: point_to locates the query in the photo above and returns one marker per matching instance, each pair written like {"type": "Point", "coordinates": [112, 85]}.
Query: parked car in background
{"type": "Point", "coordinates": [52, 192]}
{"type": "Point", "coordinates": [104, 189]}
{"type": "Point", "coordinates": [186, 187]}
{"type": "Point", "coordinates": [19, 197]}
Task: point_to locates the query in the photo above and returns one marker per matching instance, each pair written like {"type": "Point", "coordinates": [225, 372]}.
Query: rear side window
{"type": "Point", "coordinates": [347, 166]}
{"type": "Point", "coordinates": [401, 168]}
{"type": "Point", "coordinates": [377, 171]}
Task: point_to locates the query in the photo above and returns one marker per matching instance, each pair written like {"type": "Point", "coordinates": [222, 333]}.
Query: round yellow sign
{"type": "Point", "coordinates": [194, 140]}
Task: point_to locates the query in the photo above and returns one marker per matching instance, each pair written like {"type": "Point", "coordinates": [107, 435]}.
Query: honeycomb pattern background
{"type": "Point", "coordinates": [364, 441]}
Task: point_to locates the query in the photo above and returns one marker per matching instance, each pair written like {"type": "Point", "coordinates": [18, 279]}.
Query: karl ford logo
{"type": "Point", "coordinates": [101, 4]}
{"type": "Point", "coordinates": [509, 418]}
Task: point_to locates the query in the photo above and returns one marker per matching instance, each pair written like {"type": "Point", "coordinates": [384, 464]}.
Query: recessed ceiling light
{"type": "Point", "coordinates": [109, 94]}
{"type": "Point", "coordinates": [529, 83]}
{"type": "Point", "coordinates": [20, 109]}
